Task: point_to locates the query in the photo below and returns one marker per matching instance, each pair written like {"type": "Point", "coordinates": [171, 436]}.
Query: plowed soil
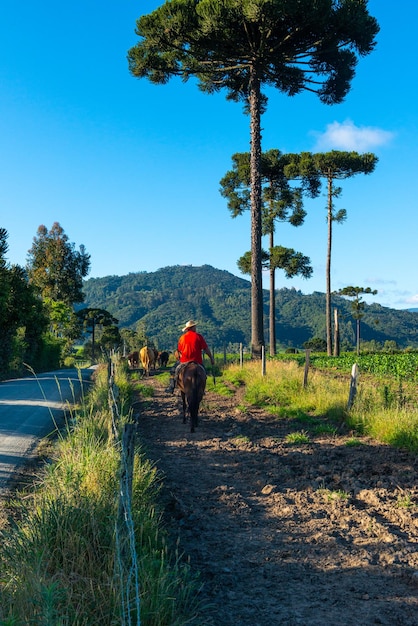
{"type": "Point", "coordinates": [315, 534]}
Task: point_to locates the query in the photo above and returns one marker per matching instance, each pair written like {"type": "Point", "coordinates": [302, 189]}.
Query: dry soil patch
{"type": "Point", "coordinates": [319, 534]}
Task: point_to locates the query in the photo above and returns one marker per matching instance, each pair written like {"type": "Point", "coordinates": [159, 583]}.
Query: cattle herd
{"type": "Point", "coordinates": [149, 358]}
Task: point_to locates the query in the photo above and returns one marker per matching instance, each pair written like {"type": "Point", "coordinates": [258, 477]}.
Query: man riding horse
{"type": "Point", "coordinates": [190, 347]}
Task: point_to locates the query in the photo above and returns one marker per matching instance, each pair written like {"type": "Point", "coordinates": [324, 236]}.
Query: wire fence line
{"type": "Point", "coordinates": [127, 564]}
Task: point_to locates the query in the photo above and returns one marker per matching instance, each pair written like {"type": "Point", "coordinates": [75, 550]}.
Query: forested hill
{"type": "Point", "coordinates": [164, 300]}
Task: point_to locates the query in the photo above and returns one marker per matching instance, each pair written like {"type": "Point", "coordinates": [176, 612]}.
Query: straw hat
{"type": "Point", "coordinates": [190, 324]}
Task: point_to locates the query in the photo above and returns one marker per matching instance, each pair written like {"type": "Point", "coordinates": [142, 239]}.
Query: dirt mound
{"type": "Point", "coordinates": [314, 534]}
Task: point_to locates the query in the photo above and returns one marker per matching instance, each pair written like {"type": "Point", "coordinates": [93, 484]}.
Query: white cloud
{"type": "Point", "coordinates": [380, 281]}
{"type": "Point", "coordinates": [412, 299]}
{"type": "Point", "coordinates": [397, 299]}
{"type": "Point", "coordinates": [348, 136]}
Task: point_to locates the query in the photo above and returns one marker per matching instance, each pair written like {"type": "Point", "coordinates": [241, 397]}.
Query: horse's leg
{"type": "Point", "coordinates": [199, 393]}
{"type": "Point", "coordinates": [197, 408]}
{"type": "Point", "coordinates": [193, 401]}
{"type": "Point", "coordinates": [183, 398]}
{"type": "Point", "coordinates": [193, 420]}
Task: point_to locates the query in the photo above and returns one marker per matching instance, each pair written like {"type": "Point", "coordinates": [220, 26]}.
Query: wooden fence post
{"type": "Point", "coordinates": [353, 385]}
{"type": "Point", "coordinates": [241, 356]}
{"type": "Point", "coordinates": [263, 360]}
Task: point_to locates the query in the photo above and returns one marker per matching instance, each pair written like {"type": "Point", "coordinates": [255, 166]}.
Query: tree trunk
{"type": "Point", "coordinates": [257, 330]}
{"type": "Point", "coordinates": [328, 271]}
{"type": "Point", "coordinates": [336, 334]}
{"type": "Point", "coordinates": [272, 307]}
{"type": "Point", "coordinates": [358, 336]}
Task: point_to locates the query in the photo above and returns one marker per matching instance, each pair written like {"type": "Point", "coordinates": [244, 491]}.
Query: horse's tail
{"type": "Point", "coordinates": [194, 397]}
{"type": "Point", "coordinates": [197, 390]}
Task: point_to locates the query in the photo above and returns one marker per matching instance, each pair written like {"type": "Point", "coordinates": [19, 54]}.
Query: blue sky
{"type": "Point", "coordinates": [131, 170]}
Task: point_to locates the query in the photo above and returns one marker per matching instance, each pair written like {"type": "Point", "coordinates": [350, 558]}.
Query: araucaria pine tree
{"type": "Point", "coordinates": [244, 45]}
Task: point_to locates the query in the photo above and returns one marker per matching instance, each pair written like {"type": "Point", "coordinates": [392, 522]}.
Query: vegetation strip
{"type": "Point", "coordinates": [59, 561]}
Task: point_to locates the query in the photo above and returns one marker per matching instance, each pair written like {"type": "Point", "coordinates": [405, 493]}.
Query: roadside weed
{"type": "Point", "coordinates": [297, 437]}
{"type": "Point", "coordinates": [325, 429]}
{"type": "Point", "coordinates": [353, 442]}
{"type": "Point", "coordinates": [241, 440]}
{"type": "Point", "coordinates": [334, 495]}
{"type": "Point", "coordinates": [405, 501]}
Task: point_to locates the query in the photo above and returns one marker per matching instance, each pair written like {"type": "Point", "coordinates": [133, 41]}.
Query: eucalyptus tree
{"type": "Point", "coordinates": [357, 305]}
{"type": "Point", "coordinates": [55, 268]}
{"type": "Point", "coordinates": [332, 166]}
{"type": "Point", "coordinates": [279, 202]}
{"type": "Point", "coordinates": [244, 45]}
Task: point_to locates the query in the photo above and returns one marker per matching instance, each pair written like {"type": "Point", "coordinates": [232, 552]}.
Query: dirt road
{"type": "Point", "coordinates": [316, 534]}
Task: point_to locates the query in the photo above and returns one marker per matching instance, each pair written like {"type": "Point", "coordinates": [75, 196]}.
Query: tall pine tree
{"type": "Point", "coordinates": [244, 45]}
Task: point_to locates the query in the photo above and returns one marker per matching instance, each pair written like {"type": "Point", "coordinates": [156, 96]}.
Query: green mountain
{"type": "Point", "coordinates": [164, 300]}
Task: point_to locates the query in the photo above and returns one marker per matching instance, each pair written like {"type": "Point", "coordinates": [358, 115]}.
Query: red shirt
{"type": "Point", "coordinates": [190, 347]}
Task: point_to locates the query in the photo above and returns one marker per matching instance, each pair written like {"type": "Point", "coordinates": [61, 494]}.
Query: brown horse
{"type": "Point", "coordinates": [191, 381]}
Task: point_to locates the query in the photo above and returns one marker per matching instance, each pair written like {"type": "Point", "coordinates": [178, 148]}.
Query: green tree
{"type": "Point", "coordinates": [27, 315]}
{"type": "Point", "coordinates": [64, 324]}
{"type": "Point", "coordinates": [293, 263]}
{"type": "Point", "coordinates": [129, 340]}
{"type": "Point", "coordinates": [334, 165]}
{"type": "Point", "coordinates": [280, 202]}
{"type": "Point", "coordinates": [286, 259]}
{"type": "Point", "coordinates": [55, 267]}
{"type": "Point", "coordinates": [316, 344]}
{"type": "Point", "coordinates": [110, 339]}
{"type": "Point", "coordinates": [22, 317]}
{"type": "Point", "coordinates": [94, 319]}
{"type": "Point", "coordinates": [135, 339]}
{"type": "Point", "coordinates": [244, 45]}
{"type": "Point", "coordinates": [357, 304]}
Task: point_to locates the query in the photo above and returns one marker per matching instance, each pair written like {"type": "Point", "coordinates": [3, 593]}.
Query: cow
{"type": "Point", "coordinates": [147, 357]}
{"type": "Point", "coordinates": [155, 357]}
{"type": "Point", "coordinates": [163, 358]}
{"type": "Point", "coordinates": [133, 360]}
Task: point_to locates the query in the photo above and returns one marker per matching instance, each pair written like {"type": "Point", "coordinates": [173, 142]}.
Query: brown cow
{"type": "Point", "coordinates": [163, 358]}
{"type": "Point", "coordinates": [147, 357]}
{"type": "Point", "coordinates": [133, 360]}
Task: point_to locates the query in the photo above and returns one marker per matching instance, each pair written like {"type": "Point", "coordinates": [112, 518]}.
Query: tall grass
{"type": "Point", "coordinates": [388, 416]}
{"type": "Point", "coordinates": [59, 563]}
{"type": "Point", "coordinates": [394, 422]}
{"type": "Point", "coordinates": [281, 390]}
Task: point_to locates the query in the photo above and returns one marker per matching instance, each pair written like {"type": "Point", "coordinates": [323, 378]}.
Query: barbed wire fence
{"type": "Point", "coordinates": [126, 557]}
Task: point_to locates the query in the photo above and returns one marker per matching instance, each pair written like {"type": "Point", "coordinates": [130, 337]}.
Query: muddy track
{"type": "Point", "coordinates": [318, 534]}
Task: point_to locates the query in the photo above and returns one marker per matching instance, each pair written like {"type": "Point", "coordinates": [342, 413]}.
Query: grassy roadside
{"type": "Point", "coordinates": [59, 558]}
{"type": "Point", "coordinates": [385, 407]}
{"type": "Point", "coordinates": [382, 409]}
{"type": "Point", "coordinates": [62, 558]}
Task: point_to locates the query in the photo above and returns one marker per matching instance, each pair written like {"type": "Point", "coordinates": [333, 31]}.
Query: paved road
{"type": "Point", "coordinates": [28, 410]}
